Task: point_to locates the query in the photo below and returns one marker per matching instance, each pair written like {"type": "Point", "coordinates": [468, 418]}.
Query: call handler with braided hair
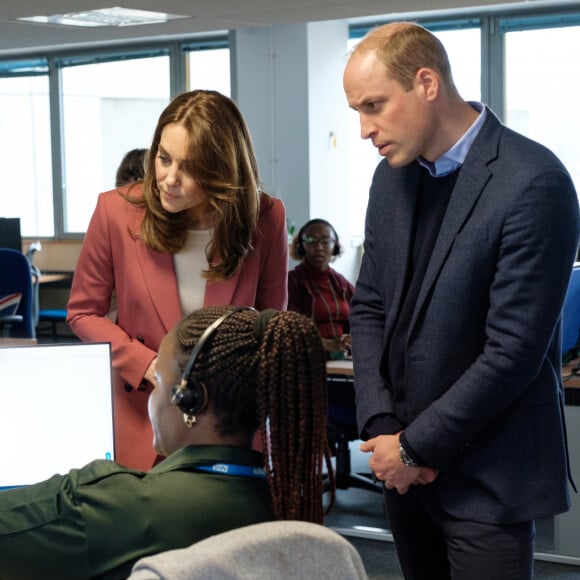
{"type": "Point", "coordinates": [197, 232]}
{"type": "Point", "coordinates": [222, 374]}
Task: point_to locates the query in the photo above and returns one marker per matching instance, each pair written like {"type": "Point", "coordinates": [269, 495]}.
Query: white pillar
{"type": "Point", "coordinates": [287, 80]}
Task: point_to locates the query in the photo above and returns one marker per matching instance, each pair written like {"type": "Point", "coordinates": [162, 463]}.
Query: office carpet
{"type": "Point", "coordinates": [381, 563]}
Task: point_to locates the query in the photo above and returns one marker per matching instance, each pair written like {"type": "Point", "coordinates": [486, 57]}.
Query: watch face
{"type": "Point", "coordinates": [405, 458]}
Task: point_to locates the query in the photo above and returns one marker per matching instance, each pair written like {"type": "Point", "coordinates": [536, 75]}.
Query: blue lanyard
{"type": "Point", "coordinates": [232, 469]}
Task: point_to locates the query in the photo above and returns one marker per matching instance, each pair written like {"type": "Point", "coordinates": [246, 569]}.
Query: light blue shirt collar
{"type": "Point", "coordinates": [453, 158]}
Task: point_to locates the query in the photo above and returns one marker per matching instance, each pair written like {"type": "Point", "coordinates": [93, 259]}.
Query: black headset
{"type": "Point", "coordinates": [301, 252]}
{"type": "Point", "coordinates": [190, 394]}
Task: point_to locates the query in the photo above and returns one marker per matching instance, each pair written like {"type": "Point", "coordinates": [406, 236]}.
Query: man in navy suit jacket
{"type": "Point", "coordinates": [470, 237]}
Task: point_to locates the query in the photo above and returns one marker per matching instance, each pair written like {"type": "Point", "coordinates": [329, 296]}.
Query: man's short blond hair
{"type": "Point", "coordinates": [404, 48]}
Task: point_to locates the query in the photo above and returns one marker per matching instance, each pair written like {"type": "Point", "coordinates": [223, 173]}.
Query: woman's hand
{"type": "Point", "coordinates": [346, 342]}
{"type": "Point", "coordinates": [341, 344]}
{"type": "Point", "coordinates": [150, 372]}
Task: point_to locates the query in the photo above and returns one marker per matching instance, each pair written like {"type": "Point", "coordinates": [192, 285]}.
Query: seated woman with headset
{"type": "Point", "coordinates": [222, 373]}
{"type": "Point", "coordinates": [317, 290]}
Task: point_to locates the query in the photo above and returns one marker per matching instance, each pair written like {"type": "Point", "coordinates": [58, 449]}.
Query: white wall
{"type": "Point", "coordinates": [328, 127]}
{"type": "Point", "coordinates": [270, 84]}
{"type": "Point", "coordinates": [287, 80]}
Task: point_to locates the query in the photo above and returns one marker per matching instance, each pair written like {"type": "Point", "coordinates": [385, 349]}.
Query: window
{"type": "Point", "coordinates": [209, 69]}
{"type": "Point", "coordinates": [25, 146]}
{"type": "Point", "coordinates": [67, 120]}
{"type": "Point", "coordinates": [108, 109]}
{"type": "Point", "coordinates": [463, 46]}
{"type": "Point", "coordinates": [542, 87]}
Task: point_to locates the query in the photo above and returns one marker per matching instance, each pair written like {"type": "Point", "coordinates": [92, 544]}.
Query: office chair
{"type": "Point", "coordinates": [341, 429]}
{"type": "Point", "coordinates": [52, 316]}
{"type": "Point", "coordinates": [286, 550]}
{"type": "Point", "coordinates": [8, 306]}
{"type": "Point", "coordinates": [571, 314]}
{"type": "Point", "coordinates": [30, 253]}
{"type": "Point", "coordinates": [571, 339]}
{"type": "Point", "coordinates": [16, 278]}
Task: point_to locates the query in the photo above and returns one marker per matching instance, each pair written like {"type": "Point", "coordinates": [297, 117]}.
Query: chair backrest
{"type": "Point", "coordinates": [571, 312]}
{"type": "Point", "coordinates": [10, 236]}
{"type": "Point", "coordinates": [285, 550]}
{"type": "Point", "coordinates": [15, 276]}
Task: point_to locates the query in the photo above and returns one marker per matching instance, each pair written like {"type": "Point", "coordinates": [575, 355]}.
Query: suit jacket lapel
{"type": "Point", "coordinates": [472, 178]}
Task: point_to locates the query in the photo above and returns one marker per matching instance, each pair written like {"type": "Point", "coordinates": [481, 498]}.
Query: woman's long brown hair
{"type": "Point", "coordinates": [222, 161]}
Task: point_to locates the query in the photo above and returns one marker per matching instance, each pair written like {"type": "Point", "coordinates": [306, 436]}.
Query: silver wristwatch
{"type": "Point", "coordinates": [405, 459]}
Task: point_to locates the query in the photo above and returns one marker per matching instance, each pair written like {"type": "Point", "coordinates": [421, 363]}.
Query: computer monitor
{"type": "Point", "coordinates": [10, 236]}
{"type": "Point", "coordinates": [56, 409]}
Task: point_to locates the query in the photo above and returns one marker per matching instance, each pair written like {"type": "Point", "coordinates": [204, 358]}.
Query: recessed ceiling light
{"type": "Point", "coordinates": [104, 17]}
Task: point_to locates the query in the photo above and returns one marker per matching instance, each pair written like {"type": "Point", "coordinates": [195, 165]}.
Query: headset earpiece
{"type": "Point", "coordinates": [190, 396]}
{"type": "Point", "coordinates": [300, 252]}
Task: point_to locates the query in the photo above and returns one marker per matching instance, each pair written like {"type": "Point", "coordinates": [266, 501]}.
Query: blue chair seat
{"type": "Point", "coordinates": [54, 316]}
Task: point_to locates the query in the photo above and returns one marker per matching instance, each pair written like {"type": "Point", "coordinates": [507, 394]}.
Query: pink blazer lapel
{"type": "Point", "coordinates": [161, 283]}
{"type": "Point", "coordinates": [221, 293]}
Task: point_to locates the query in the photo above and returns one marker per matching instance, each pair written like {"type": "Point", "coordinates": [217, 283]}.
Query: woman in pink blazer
{"type": "Point", "coordinates": [197, 232]}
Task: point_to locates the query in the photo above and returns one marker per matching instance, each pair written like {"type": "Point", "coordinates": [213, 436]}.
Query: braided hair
{"type": "Point", "coordinates": [267, 371]}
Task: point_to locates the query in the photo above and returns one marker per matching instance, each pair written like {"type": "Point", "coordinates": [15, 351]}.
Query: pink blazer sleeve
{"type": "Point", "coordinates": [113, 261]}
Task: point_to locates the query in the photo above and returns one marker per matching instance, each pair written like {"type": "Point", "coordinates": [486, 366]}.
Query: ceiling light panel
{"type": "Point", "coordinates": [104, 17]}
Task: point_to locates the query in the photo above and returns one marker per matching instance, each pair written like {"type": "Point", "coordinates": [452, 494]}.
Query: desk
{"type": "Point", "coordinates": [9, 341]}
{"type": "Point", "coordinates": [341, 367]}
{"type": "Point", "coordinates": [571, 379]}
{"type": "Point", "coordinates": [52, 278]}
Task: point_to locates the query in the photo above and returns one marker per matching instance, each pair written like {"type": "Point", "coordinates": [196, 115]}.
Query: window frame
{"type": "Point", "coordinates": [52, 64]}
{"type": "Point", "coordinates": [493, 21]}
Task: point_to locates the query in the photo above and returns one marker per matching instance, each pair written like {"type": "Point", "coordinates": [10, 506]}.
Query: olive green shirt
{"type": "Point", "coordinates": [96, 522]}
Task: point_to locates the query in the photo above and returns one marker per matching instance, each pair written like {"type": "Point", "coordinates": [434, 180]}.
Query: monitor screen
{"type": "Point", "coordinates": [56, 409]}
{"type": "Point", "coordinates": [10, 234]}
